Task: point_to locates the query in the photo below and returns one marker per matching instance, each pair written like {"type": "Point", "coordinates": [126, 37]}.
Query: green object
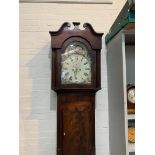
{"type": "Point", "coordinates": [125, 17]}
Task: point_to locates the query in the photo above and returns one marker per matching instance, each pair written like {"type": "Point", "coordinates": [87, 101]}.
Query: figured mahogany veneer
{"type": "Point", "coordinates": [77, 128]}
{"type": "Point", "coordinates": [76, 102]}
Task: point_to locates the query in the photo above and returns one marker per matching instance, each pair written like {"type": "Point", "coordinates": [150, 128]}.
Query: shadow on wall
{"type": "Point", "coordinates": [40, 72]}
{"type": "Point", "coordinates": [43, 101]}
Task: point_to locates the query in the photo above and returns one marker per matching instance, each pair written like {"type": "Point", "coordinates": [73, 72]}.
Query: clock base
{"type": "Point", "coordinates": [76, 123]}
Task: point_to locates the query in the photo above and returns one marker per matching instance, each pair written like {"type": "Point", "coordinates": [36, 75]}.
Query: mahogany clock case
{"type": "Point", "coordinates": [91, 40]}
{"type": "Point", "coordinates": [76, 102]}
{"type": "Point", "coordinates": [76, 124]}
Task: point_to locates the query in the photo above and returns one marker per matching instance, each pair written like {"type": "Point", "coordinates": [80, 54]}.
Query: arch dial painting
{"type": "Point", "coordinates": [75, 64]}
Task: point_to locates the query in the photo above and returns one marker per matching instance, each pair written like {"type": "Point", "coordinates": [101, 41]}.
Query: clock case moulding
{"type": "Point", "coordinates": [93, 42]}
{"type": "Point", "coordinates": [76, 102]}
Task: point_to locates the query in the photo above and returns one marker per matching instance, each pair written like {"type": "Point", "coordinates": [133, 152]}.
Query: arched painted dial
{"type": "Point", "coordinates": [76, 69]}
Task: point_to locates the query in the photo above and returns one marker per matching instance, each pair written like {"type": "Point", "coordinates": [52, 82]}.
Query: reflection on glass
{"type": "Point", "coordinates": [75, 64]}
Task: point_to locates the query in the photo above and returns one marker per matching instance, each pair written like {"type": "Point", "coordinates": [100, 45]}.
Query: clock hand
{"type": "Point", "coordinates": [76, 73]}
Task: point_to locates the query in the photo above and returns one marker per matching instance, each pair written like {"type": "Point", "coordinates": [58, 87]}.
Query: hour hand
{"type": "Point", "coordinates": [75, 73]}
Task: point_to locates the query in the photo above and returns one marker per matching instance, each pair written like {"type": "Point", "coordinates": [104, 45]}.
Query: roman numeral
{"type": "Point", "coordinates": [85, 74]}
{"type": "Point", "coordinates": [66, 74]}
{"type": "Point", "coordinates": [70, 78]}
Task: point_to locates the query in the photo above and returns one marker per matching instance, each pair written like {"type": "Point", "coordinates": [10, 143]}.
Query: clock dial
{"type": "Point", "coordinates": [75, 66]}
{"type": "Point", "coordinates": [131, 95]}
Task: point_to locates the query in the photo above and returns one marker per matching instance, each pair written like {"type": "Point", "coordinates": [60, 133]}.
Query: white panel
{"type": "Point", "coordinates": [116, 96]}
{"type": "Point", "coordinates": [67, 1]}
{"type": "Point", "coordinates": [130, 63]}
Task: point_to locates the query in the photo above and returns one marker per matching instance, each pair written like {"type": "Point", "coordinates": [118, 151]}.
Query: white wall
{"type": "Point", "coordinates": [37, 100]}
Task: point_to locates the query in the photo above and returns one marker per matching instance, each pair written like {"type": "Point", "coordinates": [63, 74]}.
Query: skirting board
{"type": "Point", "coordinates": [68, 1]}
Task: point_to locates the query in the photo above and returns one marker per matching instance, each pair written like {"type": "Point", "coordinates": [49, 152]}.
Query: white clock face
{"type": "Point", "coordinates": [75, 66]}
{"type": "Point", "coordinates": [131, 95]}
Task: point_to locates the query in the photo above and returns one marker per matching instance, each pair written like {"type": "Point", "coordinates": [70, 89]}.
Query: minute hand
{"type": "Point", "coordinates": [75, 73]}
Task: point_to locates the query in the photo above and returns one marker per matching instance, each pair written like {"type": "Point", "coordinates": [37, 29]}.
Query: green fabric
{"type": "Point", "coordinates": [125, 17]}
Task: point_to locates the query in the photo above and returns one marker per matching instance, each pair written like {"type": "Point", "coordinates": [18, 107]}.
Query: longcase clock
{"type": "Point", "coordinates": [76, 79]}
